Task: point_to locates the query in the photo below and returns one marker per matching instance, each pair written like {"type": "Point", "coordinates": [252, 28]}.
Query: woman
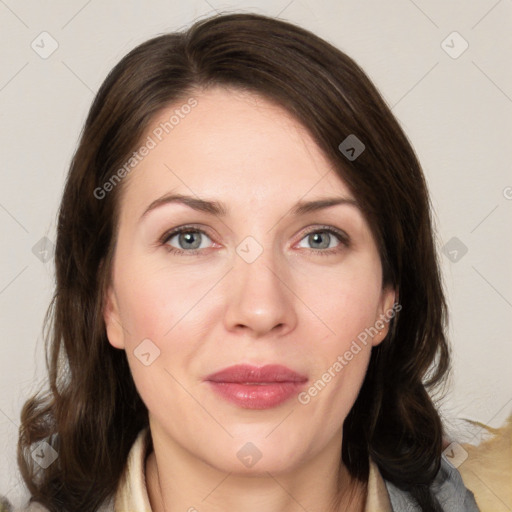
{"type": "Point", "coordinates": [248, 312]}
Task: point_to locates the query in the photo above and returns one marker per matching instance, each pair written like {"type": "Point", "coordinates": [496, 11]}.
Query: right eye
{"type": "Point", "coordinates": [185, 240]}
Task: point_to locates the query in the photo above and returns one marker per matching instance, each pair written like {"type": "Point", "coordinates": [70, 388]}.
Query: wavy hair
{"type": "Point", "coordinates": [91, 412]}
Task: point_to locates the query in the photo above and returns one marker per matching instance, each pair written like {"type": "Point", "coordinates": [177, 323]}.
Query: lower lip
{"type": "Point", "coordinates": [257, 396]}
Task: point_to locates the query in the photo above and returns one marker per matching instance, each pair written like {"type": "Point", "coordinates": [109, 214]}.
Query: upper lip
{"type": "Point", "coordinates": [244, 373]}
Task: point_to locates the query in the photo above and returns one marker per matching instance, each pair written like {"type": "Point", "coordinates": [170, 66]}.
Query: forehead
{"type": "Point", "coordinates": [233, 145]}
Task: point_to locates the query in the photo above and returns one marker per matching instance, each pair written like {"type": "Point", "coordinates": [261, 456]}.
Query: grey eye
{"type": "Point", "coordinates": [321, 239]}
{"type": "Point", "coordinates": [188, 240]}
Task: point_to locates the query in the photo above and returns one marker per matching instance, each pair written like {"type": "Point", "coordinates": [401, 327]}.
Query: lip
{"type": "Point", "coordinates": [253, 387]}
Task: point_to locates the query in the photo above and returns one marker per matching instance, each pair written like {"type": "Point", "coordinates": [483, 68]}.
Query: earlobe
{"type": "Point", "coordinates": [112, 320]}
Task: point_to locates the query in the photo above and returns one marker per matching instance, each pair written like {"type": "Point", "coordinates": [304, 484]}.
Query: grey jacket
{"type": "Point", "coordinates": [448, 488]}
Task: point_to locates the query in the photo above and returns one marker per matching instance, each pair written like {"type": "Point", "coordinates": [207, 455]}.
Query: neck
{"type": "Point", "coordinates": [178, 481]}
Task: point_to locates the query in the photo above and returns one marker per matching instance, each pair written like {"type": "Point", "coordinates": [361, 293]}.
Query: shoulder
{"type": "Point", "coordinates": [131, 491]}
{"type": "Point", "coordinates": [448, 487]}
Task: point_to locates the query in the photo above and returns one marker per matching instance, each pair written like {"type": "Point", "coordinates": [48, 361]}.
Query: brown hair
{"type": "Point", "coordinates": [92, 412]}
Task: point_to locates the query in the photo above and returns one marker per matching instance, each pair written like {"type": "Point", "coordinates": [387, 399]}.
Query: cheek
{"type": "Point", "coordinates": [347, 305]}
{"type": "Point", "coordinates": [346, 300]}
{"type": "Point", "coordinates": [167, 314]}
{"type": "Point", "coordinates": [155, 303]}
{"type": "Point", "coordinates": [339, 369]}
{"type": "Point", "coordinates": [162, 332]}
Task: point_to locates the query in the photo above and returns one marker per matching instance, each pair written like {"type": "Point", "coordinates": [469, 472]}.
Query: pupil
{"type": "Point", "coordinates": [316, 238]}
{"type": "Point", "coordinates": [190, 239]}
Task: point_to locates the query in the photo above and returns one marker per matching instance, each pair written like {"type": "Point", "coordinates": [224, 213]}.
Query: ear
{"type": "Point", "coordinates": [113, 326]}
{"type": "Point", "coordinates": [387, 310]}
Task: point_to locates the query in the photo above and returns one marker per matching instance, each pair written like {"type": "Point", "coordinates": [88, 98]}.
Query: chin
{"type": "Point", "coordinates": [256, 458]}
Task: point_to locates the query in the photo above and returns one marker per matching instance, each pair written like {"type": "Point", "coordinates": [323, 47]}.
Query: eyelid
{"type": "Point", "coordinates": [184, 228]}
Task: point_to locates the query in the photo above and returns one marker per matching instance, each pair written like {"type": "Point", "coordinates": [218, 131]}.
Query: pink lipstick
{"type": "Point", "coordinates": [252, 387]}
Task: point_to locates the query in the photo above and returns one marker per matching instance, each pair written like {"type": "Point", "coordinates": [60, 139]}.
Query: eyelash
{"type": "Point", "coordinates": [340, 235]}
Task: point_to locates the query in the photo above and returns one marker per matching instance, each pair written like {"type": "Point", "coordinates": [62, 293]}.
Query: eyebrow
{"type": "Point", "coordinates": [219, 209]}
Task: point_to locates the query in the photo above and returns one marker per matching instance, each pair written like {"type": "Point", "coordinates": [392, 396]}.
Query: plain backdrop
{"type": "Point", "coordinates": [444, 69]}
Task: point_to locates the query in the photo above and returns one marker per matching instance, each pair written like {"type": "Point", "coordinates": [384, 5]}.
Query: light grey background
{"type": "Point", "coordinates": [455, 106]}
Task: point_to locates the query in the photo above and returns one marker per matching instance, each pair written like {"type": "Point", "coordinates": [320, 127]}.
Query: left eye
{"type": "Point", "coordinates": [322, 239]}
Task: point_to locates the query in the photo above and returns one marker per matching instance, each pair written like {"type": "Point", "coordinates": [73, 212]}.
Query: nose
{"type": "Point", "coordinates": [260, 297]}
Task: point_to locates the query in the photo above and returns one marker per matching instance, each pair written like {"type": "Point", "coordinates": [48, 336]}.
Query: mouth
{"type": "Point", "coordinates": [252, 387]}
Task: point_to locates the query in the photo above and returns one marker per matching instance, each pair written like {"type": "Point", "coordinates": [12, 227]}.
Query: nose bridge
{"type": "Point", "coordinates": [259, 299]}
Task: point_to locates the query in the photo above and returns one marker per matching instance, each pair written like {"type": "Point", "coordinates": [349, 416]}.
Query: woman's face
{"type": "Point", "coordinates": [263, 275]}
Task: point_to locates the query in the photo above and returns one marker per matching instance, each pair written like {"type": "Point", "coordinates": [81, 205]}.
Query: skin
{"type": "Point", "coordinates": [294, 305]}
